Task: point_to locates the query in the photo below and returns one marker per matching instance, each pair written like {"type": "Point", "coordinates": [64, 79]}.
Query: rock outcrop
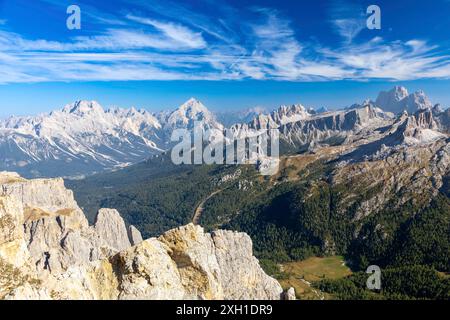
{"type": "Point", "coordinates": [48, 251]}
{"type": "Point", "coordinates": [290, 294]}
{"type": "Point", "coordinates": [134, 235]}
{"type": "Point", "coordinates": [110, 226]}
{"type": "Point", "coordinates": [56, 231]}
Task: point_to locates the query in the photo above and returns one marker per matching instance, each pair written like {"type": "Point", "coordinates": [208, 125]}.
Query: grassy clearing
{"type": "Point", "coordinates": [300, 274]}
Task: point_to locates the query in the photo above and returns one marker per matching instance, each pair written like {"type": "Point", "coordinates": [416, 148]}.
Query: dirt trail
{"type": "Point", "coordinates": [199, 210]}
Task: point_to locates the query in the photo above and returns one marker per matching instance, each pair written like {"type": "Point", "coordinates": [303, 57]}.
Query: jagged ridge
{"type": "Point", "coordinates": [48, 251]}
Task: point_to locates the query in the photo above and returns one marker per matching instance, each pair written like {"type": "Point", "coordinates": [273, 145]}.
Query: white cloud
{"type": "Point", "coordinates": [166, 50]}
{"type": "Point", "coordinates": [273, 28]}
{"type": "Point", "coordinates": [349, 29]}
{"type": "Point", "coordinates": [252, 70]}
{"type": "Point", "coordinates": [177, 33]}
{"type": "Point", "coordinates": [222, 29]}
{"type": "Point", "coordinates": [112, 39]}
{"type": "Point", "coordinates": [347, 19]}
{"type": "Point", "coordinates": [275, 48]}
{"type": "Point", "coordinates": [413, 59]}
{"type": "Point", "coordinates": [123, 39]}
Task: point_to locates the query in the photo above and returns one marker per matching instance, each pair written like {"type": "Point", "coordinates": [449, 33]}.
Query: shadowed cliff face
{"type": "Point", "coordinates": [48, 251]}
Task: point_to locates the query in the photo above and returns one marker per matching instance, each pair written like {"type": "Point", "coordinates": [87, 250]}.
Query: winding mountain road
{"type": "Point", "coordinates": [199, 210]}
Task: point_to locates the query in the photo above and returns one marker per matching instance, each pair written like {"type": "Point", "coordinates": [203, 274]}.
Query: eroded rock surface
{"type": "Point", "coordinates": [56, 231]}
{"type": "Point", "coordinates": [48, 251]}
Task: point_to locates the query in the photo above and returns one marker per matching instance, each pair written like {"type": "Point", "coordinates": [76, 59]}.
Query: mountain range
{"type": "Point", "coordinates": [364, 183]}
{"type": "Point", "coordinates": [369, 183]}
{"type": "Point", "coordinates": [82, 138]}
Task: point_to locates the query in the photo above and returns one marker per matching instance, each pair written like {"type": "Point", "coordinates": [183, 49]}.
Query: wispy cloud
{"type": "Point", "coordinates": [349, 28]}
{"type": "Point", "coordinates": [275, 48]}
{"type": "Point", "coordinates": [347, 19]}
{"type": "Point", "coordinates": [222, 26]}
{"type": "Point", "coordinates": [177, 33]}
{"type": "Point", "coordinates": [111, 39]}
{"type": "Point", "coordinates": [181, 44]}
{"type": "Point", "coordinates": [89, 11]}
{"type": "Point", "coordinates": [395, 60]}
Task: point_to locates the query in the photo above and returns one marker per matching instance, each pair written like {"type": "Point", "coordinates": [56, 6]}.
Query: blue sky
{"type": "Point", "coordinates": [230, 54]}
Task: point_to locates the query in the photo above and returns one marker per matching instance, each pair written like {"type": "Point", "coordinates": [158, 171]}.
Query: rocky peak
{"type": "Point", "coordinates": [9, 177]}
{"type": "Point", "coordinates": [402, 117]}
{"type": "Point", "coordinates": [192, 109]}
{"type": "Point", "coordinates": [83, 107]}
{"type": "Point", "coordinates": [391, 98]}
{"type": "Point", "coordinates": [286, 114]}
{"type": "Point", "coordinates": [232, 117]}
{"type": "Point", "coordinates": [419, 128]}
{"type": "Point", "coordinates": [47, 195]}
{"type": "Point", "coordinates": [399, 92]}
{"type": "Point", "coordinates": [134, 235]}
{"type": "Point", "coordinates": [193, 106]}
{"type": "Point", "coordinates": [437, 108]}
{"type": "Point", "coordinates": [282, 116]}
{"type": "Point", "coordinates": [322, 110]}
{"type": "Point", "coordinates": [188, 113]}
{"type": "Point", "coordinates": [366, 113]}
{"type": "Point", "coordinates": [418, 101]}
{"type": "Point", "coordinates": [424, 119]}
{"type": "Point", "coordinates": [443, 119]}
{"type": "Point", "coordinates": [197, 265]}
{"type": "Point", "coordinates": [397, 100]}
{"type": "Point", "coordinates": [82, 134]}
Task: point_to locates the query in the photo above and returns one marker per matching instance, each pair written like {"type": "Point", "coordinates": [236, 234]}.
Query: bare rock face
{"type": "Point", "coordinates": [193, 252]}
{"type": "Point", "coordinates": [56, 231]}
{"type": "Point", "coordinates": [148, 272]}
{"type": "Point", "coordinates": [403, 173]}
{"type": "Point", "coordinates": [13, 250]}
{"type": "Point", "coordinates": [241, 276]}
{"type": "Point", "coordinates": [134, 235]}
{"type": "Point", "coordinates": [398, 100]}
{"type": "Point", "coordinates": [15, 268]}
{"type": "Point", "coordinates": [184, 263]}
{"type": "Point", "coordinates": [290, 294]}
{"type": "Point", "coordinates": [110, 226]}
{"type": "Point", "coordinates": [48, 251]}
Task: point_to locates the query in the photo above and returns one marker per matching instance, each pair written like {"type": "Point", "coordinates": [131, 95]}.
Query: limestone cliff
{"type": "Point", "coordinates": [56, 231]}
{"type": "Point", "coordinates": [48, 251]}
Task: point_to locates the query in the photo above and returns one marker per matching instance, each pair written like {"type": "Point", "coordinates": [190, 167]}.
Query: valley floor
{"type": "Point", "coordinates": [301, 274]}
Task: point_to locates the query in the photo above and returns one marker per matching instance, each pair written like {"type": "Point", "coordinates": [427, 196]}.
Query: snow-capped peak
{"type": "Point", "coordinates": [189, 112]}
{"type": "Point", "coordinates": [293, 113]}
{"type": "Point", "coordinates": [399, 93]}
{"type": "Point", "coordinates": [322, 110]}
{"type": "Point", "coordinates": [191, 109]}
{"type": "Point", "coordinates": [83, 107]}
{"type": "Point", "coordinates": [83, 134]}
{"type": "Point", "coordinates": [397, 100]}
{"type": "Point", "coordinates": [193, 106]}
{"type": "Point", "coordinates": [420, 100]}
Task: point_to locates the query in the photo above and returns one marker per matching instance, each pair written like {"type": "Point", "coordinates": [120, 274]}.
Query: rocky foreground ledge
{"type": "Point", "coordinates": [49, 251]}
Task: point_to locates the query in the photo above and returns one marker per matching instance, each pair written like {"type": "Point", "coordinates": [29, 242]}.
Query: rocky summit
{"type": "Point", "coordinates": [49, 251]}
